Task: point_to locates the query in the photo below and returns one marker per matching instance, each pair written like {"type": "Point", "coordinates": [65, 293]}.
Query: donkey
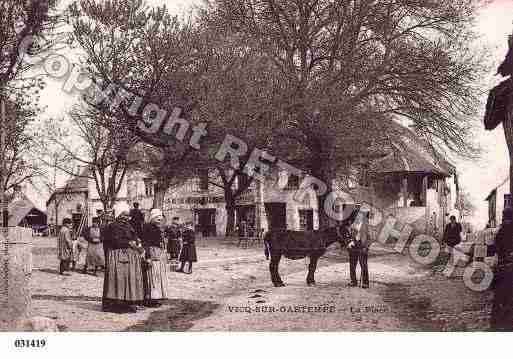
{"type": "Point", "coordinates": [298, 245]}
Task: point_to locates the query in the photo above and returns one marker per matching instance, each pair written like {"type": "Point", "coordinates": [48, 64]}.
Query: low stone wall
{"type": "Point", "coordinates": [414, 216]}
{"type": "Point", "coordinates": [16, 269]}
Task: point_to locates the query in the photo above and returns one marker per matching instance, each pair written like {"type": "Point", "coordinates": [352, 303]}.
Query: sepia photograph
{"type": "Point", "coordinates": [255, 166]}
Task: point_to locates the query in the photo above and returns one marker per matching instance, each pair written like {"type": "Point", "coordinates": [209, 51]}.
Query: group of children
{"type": "Point", "coordinates": [181, 244]}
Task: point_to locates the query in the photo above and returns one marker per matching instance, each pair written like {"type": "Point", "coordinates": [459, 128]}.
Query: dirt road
{"type": "Point", "coordinates": [230, 290]}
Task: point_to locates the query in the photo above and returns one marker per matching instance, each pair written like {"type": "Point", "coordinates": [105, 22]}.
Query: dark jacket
{"type": "Point", "coordinates": [188, 252]}
{"type": "Point", "coordinates": [120, 233]}
{"type": "Point", "coordinates": [151, 236]}
{"type": "Point", "coordinates": [173, 232]}
{"type": "Point", "coordinates": [452, 234]}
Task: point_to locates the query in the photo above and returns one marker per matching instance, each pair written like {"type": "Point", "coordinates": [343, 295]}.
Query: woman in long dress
{"type": "Point", "coordinates": [95, 256]}
{"type": "Point", "coordinates": [155, 273]}
{"type": "Point", "coordinates": [123, 284]}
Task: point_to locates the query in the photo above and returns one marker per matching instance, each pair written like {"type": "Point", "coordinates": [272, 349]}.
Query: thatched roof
{"type": "Point", "coordinates": [73, 185]}
{"type": "Point", "coordinates": [19, 209]}
{"type": "Point", "coordinates": [410, 154]}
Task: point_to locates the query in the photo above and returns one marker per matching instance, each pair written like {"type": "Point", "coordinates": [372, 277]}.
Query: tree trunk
{"type": "Point", "coordinates": [323, 170]}
{"type": "Point", "coordinates": [230, 212]}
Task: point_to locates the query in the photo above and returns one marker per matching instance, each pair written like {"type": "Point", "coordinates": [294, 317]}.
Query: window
{"type": "Point", "coordinates": [292, 182]}
{"type": "Point", "coordinates": [148, 187]}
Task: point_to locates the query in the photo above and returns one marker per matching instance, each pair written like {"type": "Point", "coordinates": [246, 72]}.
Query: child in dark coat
{"type": "Point", "coordinates": [188, 252]}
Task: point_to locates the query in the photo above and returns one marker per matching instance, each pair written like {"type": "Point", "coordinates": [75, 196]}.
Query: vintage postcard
{"type": "Point", "coordinates": [255, 166]}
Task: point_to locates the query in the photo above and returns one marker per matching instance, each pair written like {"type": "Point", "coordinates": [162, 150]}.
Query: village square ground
{"type": "Point", "coordinates": [230, 290]}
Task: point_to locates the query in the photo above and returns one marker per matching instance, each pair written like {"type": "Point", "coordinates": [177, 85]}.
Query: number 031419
{"type": "Point", "coordinates": [30, 343]}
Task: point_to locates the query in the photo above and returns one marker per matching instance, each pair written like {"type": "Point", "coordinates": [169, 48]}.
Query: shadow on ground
{"type": "Point", "coordinates": [178, 315]}
{"type": "Point", "coordinates": [175, 315]}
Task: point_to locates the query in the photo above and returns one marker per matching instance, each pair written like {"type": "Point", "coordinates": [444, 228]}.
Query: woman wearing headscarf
{"type": "Point", "coordinates": [95, 256]}
{"type": "Point", "coordinates": [123, 284]}
{"type": "Point", "coordinates": [155, 268]}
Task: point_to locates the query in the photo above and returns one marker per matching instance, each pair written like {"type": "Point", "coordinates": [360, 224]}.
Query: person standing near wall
{"type": "Point", "coordinates": [65, 246]}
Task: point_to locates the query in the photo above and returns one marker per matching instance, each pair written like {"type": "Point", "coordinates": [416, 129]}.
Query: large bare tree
{"type": "Point", "coordinates": [349, 63]}
{"type": "Point", "coordinates": [106, 151]}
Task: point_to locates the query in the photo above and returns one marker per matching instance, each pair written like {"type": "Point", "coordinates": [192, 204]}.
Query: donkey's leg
{"type": "Point", "coordinates": [273, 268]}
{"type": "Point", "coordinates": [310, 279]}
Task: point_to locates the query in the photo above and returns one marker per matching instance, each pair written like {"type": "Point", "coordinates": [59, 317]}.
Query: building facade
{"type": "Point", "coordinates": [495, 201]}
{"type": "Point", "coordinates": [79, 196]}
{"type": "Point", "coordinates": [416, 186]}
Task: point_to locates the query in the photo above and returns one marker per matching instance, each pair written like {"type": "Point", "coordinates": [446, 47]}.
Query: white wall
{"type": "Point", "coordinates": [66, 206]}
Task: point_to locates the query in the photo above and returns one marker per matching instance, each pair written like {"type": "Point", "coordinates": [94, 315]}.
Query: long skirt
{"type": "Point", "coordinates": [188, 253]}
{"type": "Point", "coordinates": [173, 248]}
{"type": "Point", "coordinates": [155, 275]}
{"type": "Point", "coordinates": [95, 256]}
{"type": "Point", "coordinates": [123, 281]}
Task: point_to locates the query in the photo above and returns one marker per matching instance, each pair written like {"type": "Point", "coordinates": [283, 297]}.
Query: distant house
{"type": "Point", "coordinates": [496, 203]}
{"type": "Point", "coordinates": [68, 200]}
{"type": "Point", "coordinates": [24, 213]}
{"type": "Point", "coordinates": [79, 196]}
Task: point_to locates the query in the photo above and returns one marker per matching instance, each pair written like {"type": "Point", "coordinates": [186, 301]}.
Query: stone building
{"type": "Point", "coordinates": [80, 196]}
{"type": "Point", "coordinates": [495, 201]}
{"type": "Point", "coordinates": [415, 185]}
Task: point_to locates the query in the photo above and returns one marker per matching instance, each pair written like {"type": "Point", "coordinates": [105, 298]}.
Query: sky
{"type": "Point", "coordinates": [479, 177]}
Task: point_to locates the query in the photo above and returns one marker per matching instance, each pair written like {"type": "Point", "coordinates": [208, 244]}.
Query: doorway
{"type": "Point", "coordinates": [206, 223]}
{"type": "Point", "coordinates": [276, 213]}
{"type": "Point", "coordinates": [306, 219]}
